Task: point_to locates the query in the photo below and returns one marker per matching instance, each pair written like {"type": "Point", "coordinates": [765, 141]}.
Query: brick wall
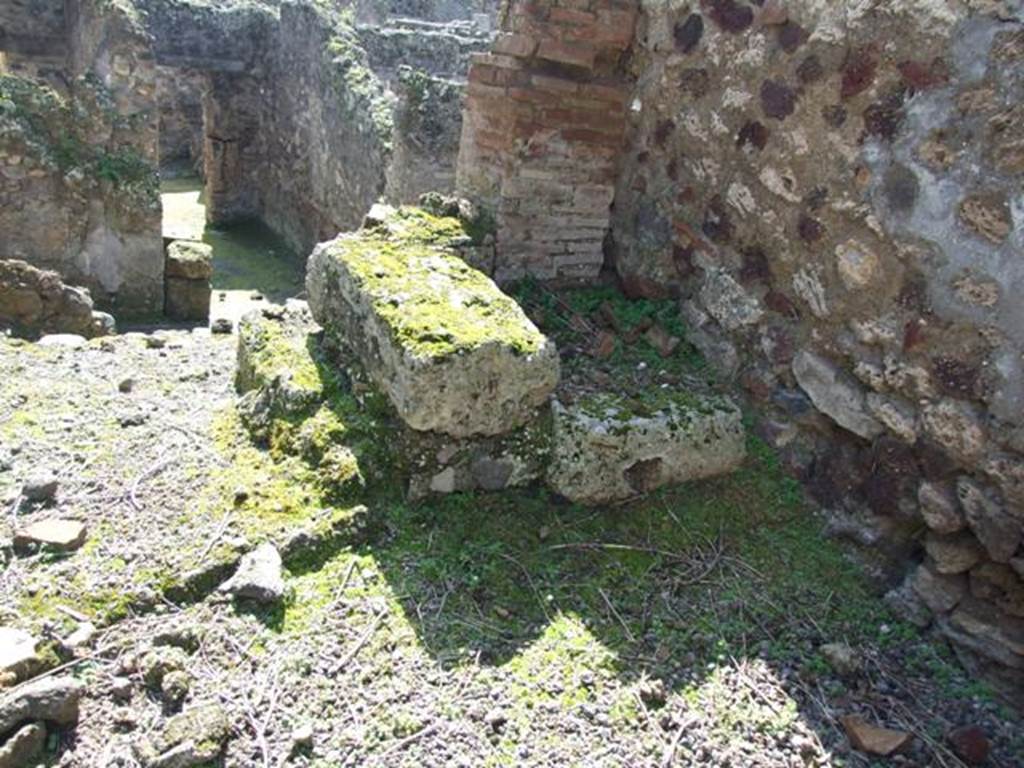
{"type": "Point", "coordinates": [542, 132]}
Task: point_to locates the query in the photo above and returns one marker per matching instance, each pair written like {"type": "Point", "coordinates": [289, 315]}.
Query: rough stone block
{"type": "Point", "coordinates": [61, 535]}
{"type": "Point", "coordinates": [449, 349]}
{"type": "Point", "coordinates": [189, 259]}
{"type": "Point", "coordinates": [835, 394]}
{"type": "Point", "coordinates": [607, 449]}
{"type": "Point", "coordinates": [186, 299]}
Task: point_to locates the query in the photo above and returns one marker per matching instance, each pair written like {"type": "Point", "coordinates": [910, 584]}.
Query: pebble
{"type": "Point", "coordinates": [126, 385]}
{"type": "Point", "coordinates": [302, 737]}
{"type": "Point", "coordinates": [40, 488]}
{"type": "Point", "coordinates": [258, 576]}
{"type": "Point", "coordinates": [496, 718]}
{"type": "Point", "coordinates": [121, 688]}
{"type": "Point", "coordinates": [221, 325]}
{"type": "Point", "coordinates": [61, 535]}
{"type": "Point", "coordinates": [82, 637]}
{"type": "Point", "coordinates": [970, 743]}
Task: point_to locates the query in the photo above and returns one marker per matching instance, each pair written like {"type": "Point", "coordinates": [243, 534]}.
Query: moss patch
{"type": "Point", "coordinates": [434, 304]}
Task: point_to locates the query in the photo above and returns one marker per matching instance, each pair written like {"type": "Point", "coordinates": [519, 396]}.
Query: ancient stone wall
{"type": "Point", "coordinates": [833, 191]}
{"type": "Point", "coordinates": [33, 39]}
{"type": "Point", "coordinates": [78, 184]}
{"type": "Point", "coordinates": [542, 134]}
{"type": "Point", "coordinates": [233, 158]}
{"type": "Point", "coordinates": [179, 97]}
{"type": "Point", "coordinates": [326, 127]}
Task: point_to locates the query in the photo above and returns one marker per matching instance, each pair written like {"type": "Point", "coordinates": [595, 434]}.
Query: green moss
{"type": "Point", "coordinates": [434, 304]}
{"type": "Point", "coordinates": [360, 90]}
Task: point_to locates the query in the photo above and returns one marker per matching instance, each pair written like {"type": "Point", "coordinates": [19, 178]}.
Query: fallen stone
{"type": "Point", "coordinates": [61, 535]}
{"type": "Point", "coordinates": [17, 653]}
{"type": "Point", "coordinates": [126, 385]}
{"type": "Point", "coordinates": [62, 341]}
{"type": "Point", "coordinates": [873, 739]}
{"type": "Point", "coordinates": [222, 325]}
{"type": "Point", "coordinates": [40, 488]}
{"type": "Point", "coordinates": [194, 737]}
{"type": "Point", "coordinates": [121, 688]}
{"type": "Point", "coordinates": [258, 576]}
{"type": "Point", "coordinates": [175, 686]}
{"type": "Point", "coordinates": [35, 301]}
{"type": "Point", "coordinates": [607, 448]}
{"type": "Point", "coordinates": [23, 747]}
{"type": "Point", "coordinates": [970, 743]}
{"type": "Point", "coordinates": [49, 699]}
{"type": "Point", "coordinates": [842, 658]}
{"type": "Point", "coordinates": [303, 737]}
{"type": "Point", "coordinates": [835, 394]}
{"type": "Point", "coordinates": [448, 348]}
{"type": "Point", "coordinates": [161, 661]}
{"type": "Point", "coordinates": [82, 637]}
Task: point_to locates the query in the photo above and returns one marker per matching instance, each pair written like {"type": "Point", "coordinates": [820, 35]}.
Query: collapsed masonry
{"type": "Point", "coordinates": [425, 373]}
{"type": "Point", "coordinates": [833, 192]}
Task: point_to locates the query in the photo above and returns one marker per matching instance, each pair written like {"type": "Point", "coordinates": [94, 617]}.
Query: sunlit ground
{"type": "Point", "coordinates": [250, 262]}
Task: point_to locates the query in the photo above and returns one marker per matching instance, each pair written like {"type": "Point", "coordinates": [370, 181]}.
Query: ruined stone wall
{"type": "Point", "coordinates": [78, 184]}
{"type": "Point", "coordinates": [179, 97]}
{"type": "Point", "coordinates": [833, 191]}
{"type": "Point", "coordinates": [33, 39]}
{"type": "Point", "coordinates": [325, 129]}
{"type": "Point", "coordinates": [233, 156]}
{"type": "Point", "coordinates": [542, 134]}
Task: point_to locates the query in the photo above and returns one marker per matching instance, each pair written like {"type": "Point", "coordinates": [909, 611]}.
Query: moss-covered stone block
{"type": "Point", "coordinates": [607, 448]}
{"type": "Point", "coordinates": [300, 398]}
{"type": "Point", "coordinates": [451, 351]}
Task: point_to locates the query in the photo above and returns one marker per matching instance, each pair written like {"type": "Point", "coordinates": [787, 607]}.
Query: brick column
{"type": "Point", "coordinates": [542, 131]}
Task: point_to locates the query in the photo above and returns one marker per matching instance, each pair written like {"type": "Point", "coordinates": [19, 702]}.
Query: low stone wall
{"type": "Point", "coordinates": [542, 133]}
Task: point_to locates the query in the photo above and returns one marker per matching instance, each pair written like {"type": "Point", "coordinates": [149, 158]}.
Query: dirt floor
{"type": "Point", "coordinates": [690, 627]}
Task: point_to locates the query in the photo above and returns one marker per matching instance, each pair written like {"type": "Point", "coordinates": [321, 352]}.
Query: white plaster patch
{"type": "Point", "coordinates": [808, 286]}
{"type": "Point", "coordinates": [775, 182]}
{"type": "Point", "coordinates": [734, 98]}
{"type": "Point", "coordinates": [692, 125]}
{"type": "Point", "coordinates": [741, 198]}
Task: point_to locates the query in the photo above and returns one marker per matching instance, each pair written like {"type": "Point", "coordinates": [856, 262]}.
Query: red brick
{"type": "Point", "coordinates": [574, 54]}
{"type": "Point", "coordinates": [571, 17]}
{"type": "Point", "coordinates": [554, 84]}
{"type": "Point", "coordinates": [521, 46]}
{"type": "Point", "coordinates": [592, 137]}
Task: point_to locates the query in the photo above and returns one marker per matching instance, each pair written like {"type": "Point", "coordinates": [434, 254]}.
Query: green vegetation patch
{"type": "Point", "coordinates": [58, 132]}
{"type": "Point", "coordinates": [434, 304]}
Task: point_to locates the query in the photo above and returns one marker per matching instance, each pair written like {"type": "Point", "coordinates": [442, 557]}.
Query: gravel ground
{"type": "Point", "coordinates": [382, 656]}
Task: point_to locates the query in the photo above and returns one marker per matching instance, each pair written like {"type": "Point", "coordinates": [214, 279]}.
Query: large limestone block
{"type": "Point", "coordinates": [608, 449]}
{"type": "Point", "coordinates": [449, 349]}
